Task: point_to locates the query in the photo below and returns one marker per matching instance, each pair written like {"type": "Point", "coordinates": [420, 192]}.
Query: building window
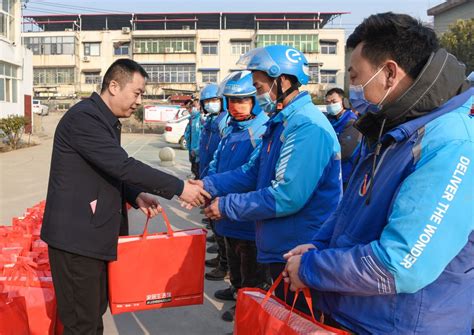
{"type": "Point", "coordinates": [328, 48]}
{"type": "Point", "coordinates": [53, 76]}
{"type": "Point", "coordinates": [164, 45]}
{"type": "Point", "coordinates": [91, 49]}
{"type": "Point", "coordinates": [313, 73]}
{"type": "Point", "coordinates": [209, 76]}
{"type": "Point", "coordinates": [7, 20]}
{"type": "Point", "coordinates": [8, 82]}
{"type": "Point", "coordinates": [121, 49]}
{"type": "Point", "coordinates": [92, 78]}
{"type": "Point", "coordinates": [171, 73]}
{"type": "Point", "coordinates": [328, 76]}
{"type": "Point", "coordinates": [52, 45]}
{"type": "Point", "coordinates": [240, 48]}
{"type": "Point", "coordinates": [209, 48]}
{"type": "Point", "coordinates": [302, 42]}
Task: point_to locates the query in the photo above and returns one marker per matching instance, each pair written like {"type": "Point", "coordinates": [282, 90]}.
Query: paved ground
{"type": "Point", "coordinates": [23, 179]}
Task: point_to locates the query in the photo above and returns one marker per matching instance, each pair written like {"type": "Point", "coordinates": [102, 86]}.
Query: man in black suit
{"type": "Point", "coordinates": [91, 179]}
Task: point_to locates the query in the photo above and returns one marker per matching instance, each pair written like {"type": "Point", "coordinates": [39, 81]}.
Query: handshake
{"type": "Point", "coordinates": [194, 195]}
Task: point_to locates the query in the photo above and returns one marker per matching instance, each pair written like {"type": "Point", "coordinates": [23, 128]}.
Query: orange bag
{"type": "Point", "coordinates": [158, 270]}
{"type": "Point", "coordinates": [13, 316]}
{"type": "Point", "coordinates": [38, 292]}
{"type": "Point", "coordinates": [259, 313]}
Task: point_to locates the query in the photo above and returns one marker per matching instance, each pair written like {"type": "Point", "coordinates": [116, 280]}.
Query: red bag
{"type": "Point", "coordinates": [158, 270]}
{"type": "Point", "coordinates": [13, 316]}
{"type": "Point", "coordinates": [259, 313]}
{"type": "Point", "coordinates": [38, 292]}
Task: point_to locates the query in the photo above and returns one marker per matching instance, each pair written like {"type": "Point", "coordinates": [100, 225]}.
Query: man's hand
{"type": "Point", "coordinates": [200, 183]}
{"type": "Point", "coordinates": [194, 194]}
{"type": "Point", "coordinates": [299, 250]}
{"type": "Point", "coordinates": [212, 211]}
{"type": "Point", "coordinates": [148, 203]}
{"type": "Point", "coordinates": [290, 274]}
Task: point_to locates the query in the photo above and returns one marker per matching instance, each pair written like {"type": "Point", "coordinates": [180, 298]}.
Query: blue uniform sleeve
{"type": "Point", "coordinates": [323, 236]}
{"type": "Point", "coordinates": [215, 158]}
{"type": "Point", "coordinates": [240, 180]}
{"type": "Point", "coordinates": [297, 173]}
{"type": "Point", "coordinates": [430, 222]}
{"type": "Point", "coordinates": [187, 137]}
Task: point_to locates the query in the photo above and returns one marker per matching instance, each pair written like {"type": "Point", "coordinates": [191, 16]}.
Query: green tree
{"type": "Point", "coordinates": [13, 126]}
{"type": "Point", "coordinates": [458, 40]}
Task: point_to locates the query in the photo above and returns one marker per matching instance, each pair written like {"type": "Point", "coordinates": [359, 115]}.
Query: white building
{"type": "Point", "coordinates": [16, 67]}
{"type": "Point", "coordinates": [181, 52]}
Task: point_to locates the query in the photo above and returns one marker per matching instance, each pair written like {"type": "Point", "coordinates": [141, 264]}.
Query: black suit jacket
{"type": "Point", "coordinates": [88, 164]}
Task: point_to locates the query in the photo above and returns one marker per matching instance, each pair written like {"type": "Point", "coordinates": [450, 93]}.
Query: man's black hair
{"type": "Point", "coordinates": [395, 36]}
{"type": "Point", "coordinates": [122, 71]}
{"type": "Point", "coordinates": [337, 90]}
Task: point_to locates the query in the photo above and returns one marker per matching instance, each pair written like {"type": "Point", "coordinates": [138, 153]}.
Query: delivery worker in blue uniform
{"type": "Point", "coordinates": [397, 256]}
{"type": "Point", "coordinates": [192, 135]}
{"type": "Point", "coordinates": [241, 138]}
{"type": "Point", "coordinates": [342, 119]}
{"type": "Point", "coordinates": [294, 184]}
{"type": "Point", "coordinates": [213, 106]}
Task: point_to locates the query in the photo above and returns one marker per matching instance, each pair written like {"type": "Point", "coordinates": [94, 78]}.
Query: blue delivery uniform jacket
{"type": "Point", "coordinates": [292, 185]}
{"type": "Point", "coordinates": [349, 139]}
{"type": "Point", "coordinates": [240, 140]}
{"type": "Point", "coordinates": [404, 263]}
{"type": "Point", "coordinates": [192, 133]}
{"type": "Point", "coordinates": [211, 135]}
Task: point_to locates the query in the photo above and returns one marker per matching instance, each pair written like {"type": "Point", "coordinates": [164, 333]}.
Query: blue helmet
{"type": "Point", "coordinates": [239, 84]}
{"type": "Point", "coordinates": [276, 60]}
{"type": "Point", "coordinates": [209, 92]}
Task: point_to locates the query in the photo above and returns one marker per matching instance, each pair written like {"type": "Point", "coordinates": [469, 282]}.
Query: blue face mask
{"type": "Point", "coordinates": [265, 101]}
{"type": "Point", "coordinates": [358, 100]}
{"type": "Point", "coordinates": [213, 107]}
{"type": "Point", "coordinates": [334, 109]}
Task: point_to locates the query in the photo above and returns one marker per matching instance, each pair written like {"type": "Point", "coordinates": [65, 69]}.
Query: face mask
{"type": "Point", "coordinates": [239, 112]}
{"type": "Point", "coordinates": [358, 100]}
{"type": "Point", "coordinates": [213, 107]}
{"type": "Point", "coordinates": [265, 101]}
{"type": "Point", "coordinates": [334, 109]}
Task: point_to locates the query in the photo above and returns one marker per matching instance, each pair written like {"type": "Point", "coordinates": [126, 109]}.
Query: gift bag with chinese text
{"type": "Point", "coordinates": [158, 270]}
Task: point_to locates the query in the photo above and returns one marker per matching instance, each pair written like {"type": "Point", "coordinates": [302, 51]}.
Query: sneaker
{"type": "Point", "coordinates": [215, 274]}
{"type": "Point", "coordinates": [212, 263]}
{"type": "Point", "coordinates": [213, 249]}
{"type": "Point", "coordinates": [211, 239]}
{"type": "Point", "coordinates": [225, 294]}
{"type": "Point", "coordinates": [229, 314]}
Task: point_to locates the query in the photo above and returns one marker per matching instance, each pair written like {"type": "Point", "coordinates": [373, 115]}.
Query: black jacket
{"type": "Point", "coordinates": [89, 164]}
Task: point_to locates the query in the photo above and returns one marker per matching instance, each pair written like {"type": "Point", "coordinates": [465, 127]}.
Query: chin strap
{"type": "Point", "coordinates": [282, 95]}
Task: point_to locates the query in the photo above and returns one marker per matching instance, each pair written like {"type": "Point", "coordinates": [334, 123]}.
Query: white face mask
{"type": "Point", "coordinates": [334, 109]}
{"type": "Point", "coordinates": [213, 107]}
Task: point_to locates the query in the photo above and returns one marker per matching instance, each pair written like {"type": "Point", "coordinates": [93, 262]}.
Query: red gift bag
{"type": "Point", "coordinates": [38, 292]}
{"type": "Point", "coordinates": [260, 313]}
{"type": "Point", "coordinates": [13, 316]}
{"type": "Point", "coordinates": [158, 270]}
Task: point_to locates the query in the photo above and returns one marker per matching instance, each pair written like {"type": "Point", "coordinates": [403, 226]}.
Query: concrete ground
{"type": "Point", "coordinates": [24, 178]}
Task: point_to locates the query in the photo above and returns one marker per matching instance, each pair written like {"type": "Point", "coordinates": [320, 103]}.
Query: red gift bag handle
{"type": "Point", "coordinates": [306, 292]}
{"type": "Point", "coordinates": [169, 232]}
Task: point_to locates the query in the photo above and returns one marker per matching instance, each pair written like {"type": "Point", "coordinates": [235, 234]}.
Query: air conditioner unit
{"type": "Point", "coordinates": [169, 50]}
{"type": "Point", "coordinates": [86, 59]}
{"type": "Point", "coordinates": [186, 27]}
{"type": "Point", "coordinates": [125, 30]}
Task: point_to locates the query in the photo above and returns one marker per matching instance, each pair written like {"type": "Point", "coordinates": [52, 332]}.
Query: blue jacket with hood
{"type": "Point", "coordinates": [397, 256]}
{"type": "Point", "coordinates": [240, 141]}
{"type": "Point", "coordinates": [292, 185]}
